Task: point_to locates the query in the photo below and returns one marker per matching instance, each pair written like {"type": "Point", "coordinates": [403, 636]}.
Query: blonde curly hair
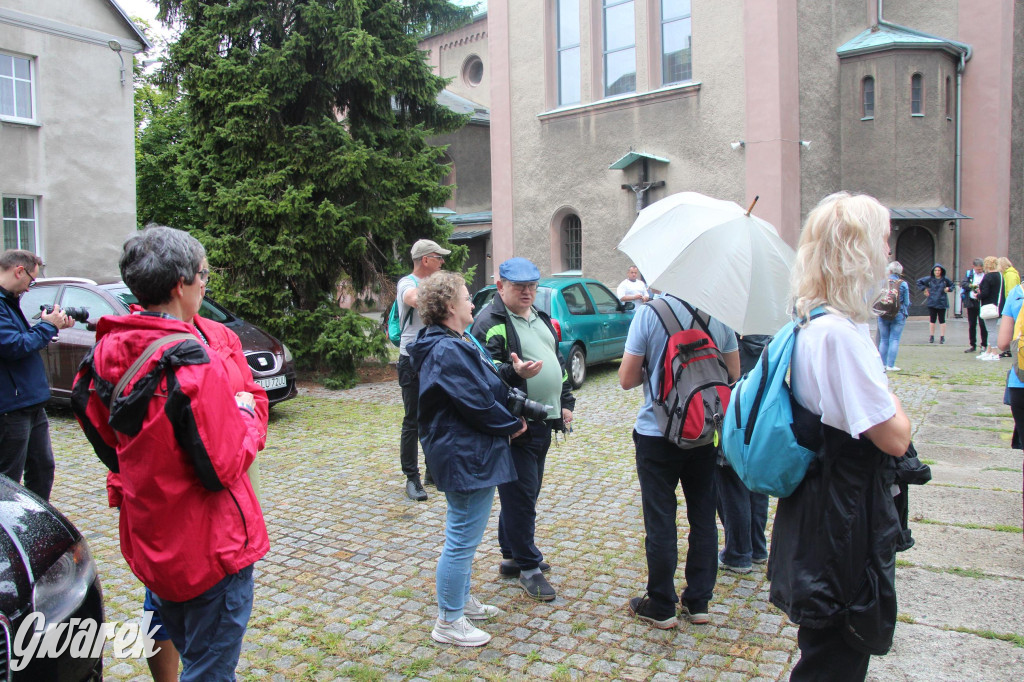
{"type": "Point", "coordinates": [842, 257]}
{"type": "Point", "coordinates": [436, 293]}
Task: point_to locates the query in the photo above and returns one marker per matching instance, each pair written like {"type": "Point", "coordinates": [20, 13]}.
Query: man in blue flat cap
{"type": "Point", "coordinates": [524, 346]}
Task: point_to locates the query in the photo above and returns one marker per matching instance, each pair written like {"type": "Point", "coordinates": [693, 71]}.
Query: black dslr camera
{"type": "Point", "coordinates": [521, 406]}
{"type": "Point", "coordinates": [78, 314]}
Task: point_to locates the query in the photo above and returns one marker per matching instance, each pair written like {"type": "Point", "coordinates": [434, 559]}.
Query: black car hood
{"type": "Point", "coordinates": [33, 537]}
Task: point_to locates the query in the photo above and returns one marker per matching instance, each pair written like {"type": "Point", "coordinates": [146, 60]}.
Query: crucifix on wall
{"type": "Point", "coordinates": [644, 183]}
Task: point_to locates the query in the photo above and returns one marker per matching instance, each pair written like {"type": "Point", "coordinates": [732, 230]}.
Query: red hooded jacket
{"type": "Point", "coordinates": [181, 447]}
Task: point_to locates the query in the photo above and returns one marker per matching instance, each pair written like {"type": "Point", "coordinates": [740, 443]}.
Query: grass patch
{"type": "Point", "coordinates": [974, 526]}
{"type": "Point", "coordinates": [1013, 638]}
{"type": "Point", "coordinates": [533, 656]}
{"type": "Point", "coordinates": [403, 592]}
{"type": "Point", "coordinates": [561, 673]}
{"type": "Point", "coordinates": [362, 673]}
{"type": "Point", "coordinates": [929, 462]}
{"type": "Point", "coordinates": [906, 618]}
{"type": "Point", "coordinates": [1009, 469]}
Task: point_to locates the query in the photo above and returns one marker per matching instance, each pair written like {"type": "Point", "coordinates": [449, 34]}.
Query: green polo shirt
{"type": "Point", "coordinates": [538, 344]}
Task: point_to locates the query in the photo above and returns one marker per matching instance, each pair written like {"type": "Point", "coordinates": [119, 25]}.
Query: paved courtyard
{"type": "Point", "coordinates": [347, 590]}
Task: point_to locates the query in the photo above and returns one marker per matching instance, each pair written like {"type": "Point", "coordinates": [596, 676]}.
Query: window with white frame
{"type": "Point", "coordinates": [619, 21]}
{"type": "Point", "coordinates": [21, 224]}
{"type": "Point", "coordinates": [676, 59]}
{"type": "Point", "coordinates": [16, 88]}
{"type": "Point", "coordinates": [867, 97]}
{"type": "Point", "coordinates": [568, 29]}
{"type": "Point", "coordinates": [916, 95]}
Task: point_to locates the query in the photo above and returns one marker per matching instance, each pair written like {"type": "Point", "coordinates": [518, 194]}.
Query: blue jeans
{"type": "Point", "coordinates": [744, 515]}
{"type": "Point", "coordinates": [660, 467]}
{"type": "Point", "coordinates": [889, 333]}
{"type": "Point", "coordinates": [25, 449]}
{"type": "Point", "coordinates": [463, 530]}
{"type": "Point", "coordinates": [517, 521]}
{"type": "Point", "coordinates": [208, 630]}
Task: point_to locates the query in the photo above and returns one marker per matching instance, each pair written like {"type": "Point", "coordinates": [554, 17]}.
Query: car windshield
{"type": "Point", "coordinates": [208, 309]}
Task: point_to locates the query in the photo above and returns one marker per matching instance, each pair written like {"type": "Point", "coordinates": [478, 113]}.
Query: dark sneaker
{"type": "Point", "coordinates": [942, 339]}
{"type": "Point", "coordinates": [414, 490]}
{"type": "Point", "coordinates": [641, 608]}
{"type": "Point", "coordinates": [537, 587]}
{"type": "Point", "coordinates": [971, 349]}
{"type": "Point", "coordinates": [508, 568]}
{"type": "Point", "coordinates": [696, 613]}
{"type": "Point", "coordinates": [931, 339]}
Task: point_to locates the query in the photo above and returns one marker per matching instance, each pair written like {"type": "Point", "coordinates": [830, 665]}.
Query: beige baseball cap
{"type": "Point", "coordinates": [425, 247]}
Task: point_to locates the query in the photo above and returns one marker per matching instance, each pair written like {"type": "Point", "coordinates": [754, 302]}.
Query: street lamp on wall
{"type": "Point", "coordinates": [116, 47]}
{"type": "Point", "coordinates": [737, 145]}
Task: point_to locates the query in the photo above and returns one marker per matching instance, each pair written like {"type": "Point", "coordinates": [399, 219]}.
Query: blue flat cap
{"type": "Point", "coordinates": [518, 270]}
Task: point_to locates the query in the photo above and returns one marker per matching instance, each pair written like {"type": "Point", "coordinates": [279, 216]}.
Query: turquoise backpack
{"type": "Point", "coordinates": [757, 435]}
{"type": "Point", "coordinates": [395, 325]}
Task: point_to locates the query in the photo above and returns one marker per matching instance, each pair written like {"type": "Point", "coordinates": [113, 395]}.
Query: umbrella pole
{"type": "Point", "coordinates": [756, 197]}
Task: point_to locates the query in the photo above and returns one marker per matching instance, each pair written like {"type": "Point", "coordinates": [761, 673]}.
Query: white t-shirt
{"type": "Point", "coordinates": [836, 372]}
{"type": "Point", "coordinates": [627, 288]}
{"type": "Point", "coordinates": [410, 330]}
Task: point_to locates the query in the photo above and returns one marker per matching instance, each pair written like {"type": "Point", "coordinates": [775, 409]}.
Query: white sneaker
{"type": "Point", "coordinates": [894, 368]}
{"type": "Point", "coordinates": [459, 632]}
{"type": "Point", "coordinates": [474, 610]}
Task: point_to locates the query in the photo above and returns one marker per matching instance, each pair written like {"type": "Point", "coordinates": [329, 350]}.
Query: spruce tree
{"type": "Point", "coordinates": [305, 154]}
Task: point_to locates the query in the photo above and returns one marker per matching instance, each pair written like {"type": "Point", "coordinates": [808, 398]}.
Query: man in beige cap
{"type": "Point", "coordinates": [427, 258]}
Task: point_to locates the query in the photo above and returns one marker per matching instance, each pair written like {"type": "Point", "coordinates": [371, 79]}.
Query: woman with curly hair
{"type": "Point", "coordinates": [832, 562]}
{"type": "Point", "coordinates": [465, 428]}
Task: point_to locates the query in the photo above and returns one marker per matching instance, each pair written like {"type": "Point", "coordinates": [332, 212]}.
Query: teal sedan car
{"type": "Point", "coordinates": [590, 320]}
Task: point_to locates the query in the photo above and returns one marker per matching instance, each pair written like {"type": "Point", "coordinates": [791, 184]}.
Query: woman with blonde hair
{"type": "Point", "coordinates": [832, 561]}
{"type": "Point", "coordinates": [990, 291]}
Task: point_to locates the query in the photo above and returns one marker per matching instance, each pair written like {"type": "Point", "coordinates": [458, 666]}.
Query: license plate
{"type": "Point", "coordinates": [272, 383]}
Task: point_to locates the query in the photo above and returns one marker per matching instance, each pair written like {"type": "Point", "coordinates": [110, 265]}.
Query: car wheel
{"type": "Point", "coordinates": [577, 366]}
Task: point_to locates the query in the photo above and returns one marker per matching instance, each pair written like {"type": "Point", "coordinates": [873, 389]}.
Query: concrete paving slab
{"type": "Point", "coordinates": [970, 549]}
{"type": "Point", "coordinates": [1004, 478]}
{"type": "Point", "coordinates": [965, 506]}
{"type": "Point", "coordinates": [953, 601]}
{"type": "Point", "coordinates": [949, 435]}
{"type": "Point", "coordinates": [970, 455]}
{"type": "Point", "coordinates": [927, 654]}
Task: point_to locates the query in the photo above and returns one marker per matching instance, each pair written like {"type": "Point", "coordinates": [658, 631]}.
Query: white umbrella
{"type": "Point", "coordinates": [716, 257]}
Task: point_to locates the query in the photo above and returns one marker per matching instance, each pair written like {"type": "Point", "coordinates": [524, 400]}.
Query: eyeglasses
{"type": "Point", "coordinates": [434, 255]}
{"type": "Point", "coordinates": [524, 286]}
{"type": "Point", "coordinates": [204, 275]}
{"type": "Point", "coordinates": [32, 280]}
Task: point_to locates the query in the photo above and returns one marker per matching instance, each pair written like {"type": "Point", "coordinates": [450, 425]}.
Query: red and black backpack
{"type": "Point", "coordinates": [693, 392]}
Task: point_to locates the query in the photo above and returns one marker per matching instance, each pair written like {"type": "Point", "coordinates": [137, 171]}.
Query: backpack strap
{"type": "Point", "coordinates": [700, 317]}
{"type": "Point", "coordinates": [409, 312]}
{"type": "Point", "coordinates": [667, 316]}
{"type": "Point", "coordinates": [146, 355]}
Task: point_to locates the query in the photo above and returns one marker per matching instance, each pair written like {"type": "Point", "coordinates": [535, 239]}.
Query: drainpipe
{"type": "Point", "coordinates": [965, 55]}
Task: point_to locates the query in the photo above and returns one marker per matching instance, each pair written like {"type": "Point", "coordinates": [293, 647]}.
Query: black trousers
{"type": "Point", "coordinates": [25, 449]}
{"type": "Point", "coordinates": [973, 319]}
{"type": "Point", "coordinates": [517, 521]}
{"type": "Point", "coordinates": [825, 657]}
{"type": "Point", "coordinates": [409, 380]}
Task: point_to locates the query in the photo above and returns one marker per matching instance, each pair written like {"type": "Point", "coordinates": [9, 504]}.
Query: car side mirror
{"type": "Point", "coordinates": [627, 306]}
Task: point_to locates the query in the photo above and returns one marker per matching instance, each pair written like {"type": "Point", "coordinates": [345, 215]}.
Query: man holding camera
{"type": "Point", "coordinates": [24, 429]}
{"type": "Point", "coordinates": [524, 347]}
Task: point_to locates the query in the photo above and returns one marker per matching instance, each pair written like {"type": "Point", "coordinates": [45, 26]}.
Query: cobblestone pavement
{"type": "Point", "coordinates": [347, 590]}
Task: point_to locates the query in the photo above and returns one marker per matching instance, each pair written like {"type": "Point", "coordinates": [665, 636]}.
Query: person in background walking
{"type": "Point", "coordinates": [990, 292]}
{"type": "Point", "coordinates": [969, 296]}
{"type": "Point", "coordinates": [890, 331]}
{"type": "Point", "coordinates": [937, 285]}
{"type": "Point", "coordinates": [1011, 279]}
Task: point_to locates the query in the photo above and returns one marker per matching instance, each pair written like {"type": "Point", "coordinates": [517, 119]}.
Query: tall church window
{"type": "Point", "coordinates": [572, 242]}
{"type": "Point", "coordinates": [917, 95]}
{"type": "Point", "coordinates": [619, 47]}
{"type": "Point", "coordinates": [868, 97]}
{"type": "Point", "coordinates": [676, 61]}
{"type": "Point", "coordinates": [949, 98]}
{"type": "Point", "coordinates": [568, 18]}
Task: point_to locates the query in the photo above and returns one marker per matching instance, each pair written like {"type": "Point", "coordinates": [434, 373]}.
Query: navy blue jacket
{"type": "Point", "coordinates": [22, 374]}
{"type": "Point", "coordinates": [463, 422]}
{"type": "Point", "coordinates": [936, 287]}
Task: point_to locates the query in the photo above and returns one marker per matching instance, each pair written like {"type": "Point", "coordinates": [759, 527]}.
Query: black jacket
{"type": "Point", "coordinates": [990, 289]}
{"type": "Point", "coordinates": [936, 287]}
{"type": "Point", "coordinates": [493, 330]}
{"type": "Point", "coordinates": [833, 553]}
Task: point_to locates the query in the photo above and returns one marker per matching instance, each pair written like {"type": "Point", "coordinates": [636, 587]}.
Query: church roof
{"type": "Point", "coordinates": [886, 36]}
{"type": "Point", "coordinates": [478, 113]}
